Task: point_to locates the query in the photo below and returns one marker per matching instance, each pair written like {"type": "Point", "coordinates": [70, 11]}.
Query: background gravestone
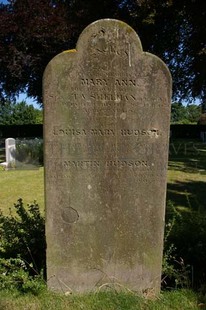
{"type": "Point", "coordinates": [106, 127]}
{"type": "Point", "coordinates": [10, 147]}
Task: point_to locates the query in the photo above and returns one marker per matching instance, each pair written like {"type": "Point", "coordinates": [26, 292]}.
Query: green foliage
{"type": "Point", "coordinates": [193, 113]}
{"type": "Point", "coordinates": [177, 113]}
{"type": "Point", "coordinates": [189, 237]}
{"type": "Point", "coordinates": [184, 248]}
{"type": "Point", "coordinates": [14, 275]}
{"type": "Point", "coordinates": [22, 249]}
{"type": "Point", "coordinates": [19, 114]}
{"type": "Point", "coordinates": [181, 114]}
{"type": "Point", "coordinates": [175, 273]}
{"type": "Point", "coordinates": [29, 151]}
{"type": "Point", "coordinates": [23, 236]}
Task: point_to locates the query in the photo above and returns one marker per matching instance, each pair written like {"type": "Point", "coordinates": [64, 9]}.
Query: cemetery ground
{"type": "Point", "coordinates": [184, 267]}
{"type": "Point", "coordinates": [186, 300]}
{"type": "Point", "coordinates": [25, 184]}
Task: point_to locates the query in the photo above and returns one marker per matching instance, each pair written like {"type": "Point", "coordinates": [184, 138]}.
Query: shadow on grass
{"type": "Point", "coordinates": [188, 166]}
{"type": "Point", "coordinates": [190, 194]}
{"type": "Point", "coordinates": [186, 207]}
{"type": "Point", "coordinates": [188, 156]}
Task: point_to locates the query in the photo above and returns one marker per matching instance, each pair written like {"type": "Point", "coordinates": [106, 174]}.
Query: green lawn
{"type": "Point", "coordinates": [186, 185]}
{"type": "Point", "coordinates": [25, 184]}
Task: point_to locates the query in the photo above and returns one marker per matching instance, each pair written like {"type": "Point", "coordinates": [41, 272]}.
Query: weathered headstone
{"type": "Point", "coordinates": [106, 130]}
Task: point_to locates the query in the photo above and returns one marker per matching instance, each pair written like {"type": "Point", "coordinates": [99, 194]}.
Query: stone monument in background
{"type": "Point", "coordinates": [10, 150]}
{"type": "Point", "coordinates": [106, 133]}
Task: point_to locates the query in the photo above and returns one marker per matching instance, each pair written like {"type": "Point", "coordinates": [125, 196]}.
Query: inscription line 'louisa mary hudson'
{"type": "Point", "coordinates": [106, 132]}
{"type": "Point", "coordinates": [61, 131]}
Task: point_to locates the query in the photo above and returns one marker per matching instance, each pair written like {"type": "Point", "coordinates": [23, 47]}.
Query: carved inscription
{"type": "Point", "coordinates": [136, 132]}
{"type": "Point", "coordinates": [94, 147]}
{"type": "Point", "coordinates": [127, 163]}
{"type": "Point", "coordinates": [112, 97]}
{"type": "Point", "coordinates": [104, 96]}
{"type": "Point", "coordinates": [95, 164]}
{"type": "Point", "coordinates": [98, 96]}
{"type": "Point", "coordinates": [106, 82]}
{"type": "Point", "coordinates": [81, 164]}
{"type": "Point", "coordinates": [94, 82]}
{"type": "Point", "coordinates": [62, 131]}
{"type": "Point", "coordinates": [68, 131]}
{"type": "Point", "coordinates": [111, 50]}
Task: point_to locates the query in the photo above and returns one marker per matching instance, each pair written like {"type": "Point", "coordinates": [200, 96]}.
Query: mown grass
{"type": "Point", "coordinates": [25, 184]}
{"type": "Point", "coordinates": [179, 300]}
{"type": "Point", "coordinates": [187, 174]}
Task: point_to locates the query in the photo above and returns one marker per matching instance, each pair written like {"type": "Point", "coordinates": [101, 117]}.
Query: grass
{"type": "Point", "coordinates": [183, 299]}
{"type": "Point", "coordinates": [187, 174]}
{"type": "Point", "coordinates": [25, 184]}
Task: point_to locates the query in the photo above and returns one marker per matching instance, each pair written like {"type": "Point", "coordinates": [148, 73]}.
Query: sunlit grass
{"type": "Point", "coordinates": [25, 184]}
{"type": "Point", "coordinates": [187, 174]}
{"type": "Point", "coordinates": [100, 301]}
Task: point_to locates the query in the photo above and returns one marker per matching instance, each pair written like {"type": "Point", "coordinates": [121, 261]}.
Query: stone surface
{"type": "Point", "coordinates": [10, 148]}
{"type": "Point", "coordinates": [106, 128]}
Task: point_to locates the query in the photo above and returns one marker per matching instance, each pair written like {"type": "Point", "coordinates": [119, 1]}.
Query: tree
{"type": "Point", "coordinates": [19, 114]}
{"type": "Point", "coordinates": [175, 31]}
{"type": "Point", "coordinates": [188, 114]}
{"type": "Point", "coordinates": [193, 113]}
{"type": "Point", "coordinates": [177, 113]}
{"type": "Point", "coordinates": [33, 31]}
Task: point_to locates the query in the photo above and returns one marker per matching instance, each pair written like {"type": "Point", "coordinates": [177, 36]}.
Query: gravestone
{"type": "Point", "coordinates": [10, 149]}
{"type": "Point", "coordinates": [10, 146]}
{"type": "Point", "coordinates": [106, 131]}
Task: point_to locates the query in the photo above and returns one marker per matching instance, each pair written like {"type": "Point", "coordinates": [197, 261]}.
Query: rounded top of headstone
{"type": "Point", "coordinates": [108, 30]}
{"type": "Point", "coordinates": [107, 38]}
